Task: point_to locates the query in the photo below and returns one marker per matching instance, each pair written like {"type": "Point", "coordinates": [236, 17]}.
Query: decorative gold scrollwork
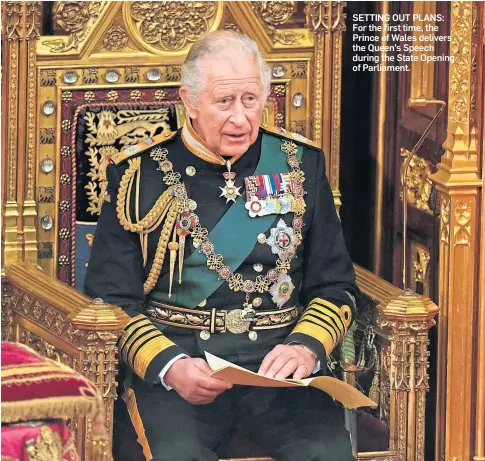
{"type": "Point", "coordinates": [418, 184]}
{"type": "Point", "coordinates": [171, 26]}
{"type": "Point", "coordinates": [273, 14]}
{"type": "Point", "coordinates": [76, 18]}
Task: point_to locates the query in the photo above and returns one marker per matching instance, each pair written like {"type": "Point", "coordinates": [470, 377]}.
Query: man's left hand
{"type": "Point", "coordinates": [285, 360]}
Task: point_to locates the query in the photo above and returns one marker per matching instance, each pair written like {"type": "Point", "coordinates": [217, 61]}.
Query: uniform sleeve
{"type": "Point", "coordinates": [328, 291]}
{"type": "Point", "coordinates": [115, 273]}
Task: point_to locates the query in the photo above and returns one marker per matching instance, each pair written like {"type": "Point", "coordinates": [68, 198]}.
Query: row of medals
{"type": "Point", "coordinates": [283, 240]}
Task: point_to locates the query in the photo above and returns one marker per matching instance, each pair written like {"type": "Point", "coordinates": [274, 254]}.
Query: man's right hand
{"type": "Point", "coordinates": [192, 381]}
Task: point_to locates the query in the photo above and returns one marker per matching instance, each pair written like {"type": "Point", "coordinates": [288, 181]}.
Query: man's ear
{"type": "Point", "coordinates": [187, 99]}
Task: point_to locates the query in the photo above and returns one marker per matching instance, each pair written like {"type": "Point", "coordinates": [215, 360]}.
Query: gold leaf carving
{"type": "Point", "coordinates": [418, 183]}
{"type": "Point", "coordinates": [462, 231]}
{"type": "Point", "coordinates": [230, 23]}
{"type": "Point", "coordinates": [116, 39]}
{"type": "Point", "coordinates": [421, 264]}
{"type": "Point", "coordinates": [273, 14]}
{"type": "Point", "coordinates": [172, 26]}
{"type": "Point", "coordinates": [461, 50]}
{"type": "Point", "coordinates": [325, 16]}
{"type": "Point", "coordinates": [76, 18]}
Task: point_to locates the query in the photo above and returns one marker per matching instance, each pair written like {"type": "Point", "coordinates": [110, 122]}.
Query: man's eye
{"type": "Point", "coordinates": [225, 100]}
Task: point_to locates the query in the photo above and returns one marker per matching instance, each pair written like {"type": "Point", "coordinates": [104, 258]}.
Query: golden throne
{"type": "Point", "coordinates": [100, 76]}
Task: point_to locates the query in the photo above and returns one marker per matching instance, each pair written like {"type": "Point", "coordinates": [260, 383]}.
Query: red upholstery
{"type": "Point", "coordinates": [34, 387]}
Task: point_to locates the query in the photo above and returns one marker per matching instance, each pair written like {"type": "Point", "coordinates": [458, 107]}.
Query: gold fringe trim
{"type": "Point", "coordinates": [130, 400]}
{"type": "Point", "coordinates": [53, 407]}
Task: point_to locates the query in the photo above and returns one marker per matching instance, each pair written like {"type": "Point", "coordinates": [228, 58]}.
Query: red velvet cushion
{"type": "Point", "coordinates": [34, 387]}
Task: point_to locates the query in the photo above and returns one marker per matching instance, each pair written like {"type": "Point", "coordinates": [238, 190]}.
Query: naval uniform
{"type": "Point", "coordinates": [312, 302]}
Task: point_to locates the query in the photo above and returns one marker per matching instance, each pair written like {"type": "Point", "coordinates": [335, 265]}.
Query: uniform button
{"type": "Point", "coordinates": [205, 335]}
{"type": "Point", "coordinates": [261, 238]}
{"type": "Point", "coordinates": [257, 302]}
{"type": "Point", "coordinates": [203, 303]}
{"type": "Point", "coordinates": [253, 336]}
{"type": "Point", "coordinates": [258, 267]}
{"type": "Point", "coordinates": [190, 170]}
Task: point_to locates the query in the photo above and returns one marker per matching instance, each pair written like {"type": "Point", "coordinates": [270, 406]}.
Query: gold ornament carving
{"type": "Point", "coordinates": [12, 20]}
{"type": "Point", "coordinates": [48, 77]}
{"type": "Point", "coordinates": [336, 95]}
{"type": "Point", "coordinates": [33, 12]}
{"type": "Point", "coordinates": [47, 135]}
{"type": "Point", "coordinates": [445, 221]}
{"type": "Point", "coordinates": [418, 184]}
{"type": "Point", "coordinates": [273, 14]}
{"type": "Point", "coordinates": [116, 39]}
{"type": "Point", "coordinates": [90, 76]}
{"type": "Point", "coordinates": [46, 447]}
{"type": "Point", "coordinates": [77, 19]}
{"type": "Point", "coordinates": [12, 118]}
{"type": "Point", "coordinates": [325, 16]}
{"type": "Point", "coordinates": [128, 127]}
{"type": "Point", "coordinates": [230, 23]}
{"type": "Point", "coordinates": [460, 48]}
{"type": "Point", "coordinates": [421, 264]}
{"type": "Point", "coordinates": [132, 75]}
{"type": "Point", "coordinates": [171, 26]}
{"type": "Point", "coordinates": [462, 230]}
{"type": "Point", "coordinates": [299, 69]}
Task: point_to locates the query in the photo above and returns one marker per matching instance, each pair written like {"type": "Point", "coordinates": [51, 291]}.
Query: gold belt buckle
{"type": "Point", "coordinates": [236, 322]}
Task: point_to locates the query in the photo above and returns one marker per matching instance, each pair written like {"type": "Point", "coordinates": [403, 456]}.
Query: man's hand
{"type": "Point", "coordinates": [285, 360]}
{"type": "Point", "coordinates": [192, 381]}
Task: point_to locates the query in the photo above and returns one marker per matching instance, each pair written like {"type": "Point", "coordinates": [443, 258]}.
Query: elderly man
{"type": "Point", "coordinates": [223, 237]}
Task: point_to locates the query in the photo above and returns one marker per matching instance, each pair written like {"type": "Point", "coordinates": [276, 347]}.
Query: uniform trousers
{"type": "Point", "coordinates": [288, 424]}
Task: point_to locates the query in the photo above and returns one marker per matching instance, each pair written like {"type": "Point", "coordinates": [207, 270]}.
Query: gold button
{"type": "Point", "coordinates": [257, 302]}
{"type": "Point", "coordinates": [190, 170]}
{"type": "Point", "coordinates": [253, 336]}
{"type": "Point", "coordinates": [203, 303]}
{"type": "Point", "coordinates": [261, 238]}
{"type": "Point", "coordinates": [258, 267]}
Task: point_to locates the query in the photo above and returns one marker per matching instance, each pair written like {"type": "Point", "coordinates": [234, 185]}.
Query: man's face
{"type": "Point", "coordinates": [231, 104]}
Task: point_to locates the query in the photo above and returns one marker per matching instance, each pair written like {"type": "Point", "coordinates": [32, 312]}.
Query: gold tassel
{"type": "Point", "coordinates": [181, 255]}
{"type": "Point", "coordinates": [99, 437]}
{"type": "Point", "coordinates": [173, 246]}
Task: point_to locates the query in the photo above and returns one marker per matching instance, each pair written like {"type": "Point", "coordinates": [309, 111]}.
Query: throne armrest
{"type": "Point", "coordinates": [65, 325]}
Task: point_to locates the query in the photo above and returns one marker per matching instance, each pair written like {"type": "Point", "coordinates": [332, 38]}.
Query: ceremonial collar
{"type": "Point", "coordinates": [195, 144]}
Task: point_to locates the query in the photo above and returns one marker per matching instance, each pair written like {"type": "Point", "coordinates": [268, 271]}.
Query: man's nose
{"type": "Point", "coordinates": [238, 116]}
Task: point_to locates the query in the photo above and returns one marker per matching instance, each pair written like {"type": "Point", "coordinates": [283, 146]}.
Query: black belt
{"type": "Point", "coordinates": [217, 320]}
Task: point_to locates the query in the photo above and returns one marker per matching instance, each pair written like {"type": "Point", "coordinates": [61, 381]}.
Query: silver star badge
{"type": "Point", "coordinates": [282, 240]}
{"type": "Point", "coordinates": [230, 191]}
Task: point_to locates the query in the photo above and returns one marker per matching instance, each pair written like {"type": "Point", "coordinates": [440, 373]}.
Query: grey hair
{"type": "Point", "coordinates": [215, 43]}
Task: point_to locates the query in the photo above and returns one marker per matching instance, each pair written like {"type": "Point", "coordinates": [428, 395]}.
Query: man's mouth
{"type": "Point", "coordinates": [236, 137]}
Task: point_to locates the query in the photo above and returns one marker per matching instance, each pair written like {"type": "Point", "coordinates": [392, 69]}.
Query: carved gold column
{"type": "Point", "coordinates": [32, 23]}
{"type": "Point", "coordinates": [407, 317]}
{"type": "Point", "coordinates": [327, 21]}
{"type": "Point", "coordinates": [458, 185]}
{"type": "Point", "coordinates": [12, 36]}
{"type": "Point", "coordinates": [480, 380]}
{"type": "Point", "coordinates": [21, 23]}
{"type": "Point", "coordinates": [98, 361]}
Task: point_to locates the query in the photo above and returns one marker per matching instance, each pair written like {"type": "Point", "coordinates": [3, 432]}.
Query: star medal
{"type": "Point", "coordinates": [230, 191]}
{"type": "Point", "coordinates": [282, 241]}
{"type": "Point", "coordinates": [281, 290]}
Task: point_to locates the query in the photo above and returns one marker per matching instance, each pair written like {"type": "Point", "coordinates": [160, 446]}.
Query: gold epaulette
{"type": "Point", "coordinates": [137, 149]}
{"type": "Point", "coordinates": [282, 133]}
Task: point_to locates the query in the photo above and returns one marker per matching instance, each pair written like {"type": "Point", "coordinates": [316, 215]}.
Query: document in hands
{"type": "Point", "coordinates": [343, 392]}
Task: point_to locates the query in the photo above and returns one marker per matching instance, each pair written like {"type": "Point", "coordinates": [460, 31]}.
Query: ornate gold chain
{"type": "Point", "coordinates": [200, 234]}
